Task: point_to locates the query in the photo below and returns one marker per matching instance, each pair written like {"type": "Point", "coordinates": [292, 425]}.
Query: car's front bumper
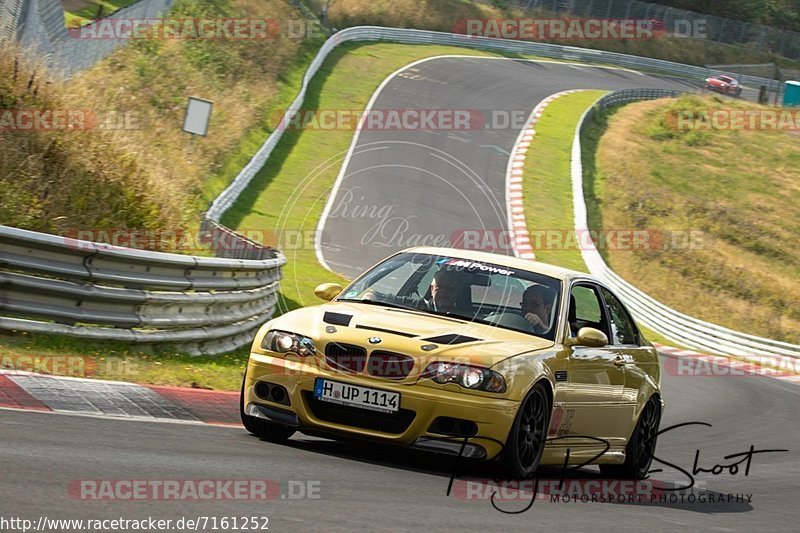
{"type": "Point", "coordinates": [419, 407]}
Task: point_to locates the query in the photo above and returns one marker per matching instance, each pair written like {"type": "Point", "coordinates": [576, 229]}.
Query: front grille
{"type": "Point", "coordinates": [396, 422]}
{"type": "Point", "coordinates": [346, 357]}
{"type": "Point", "coordinates": [389, 365]}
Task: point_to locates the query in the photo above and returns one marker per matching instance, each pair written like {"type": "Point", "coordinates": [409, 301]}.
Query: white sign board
{"type": "Point", "coordinates": [198, 113]}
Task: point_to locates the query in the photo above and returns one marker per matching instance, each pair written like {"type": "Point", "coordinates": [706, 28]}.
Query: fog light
{"type": "Point", "coordinates": [262, 390]}
{"type": "Point", "coordinates": [278, 394]}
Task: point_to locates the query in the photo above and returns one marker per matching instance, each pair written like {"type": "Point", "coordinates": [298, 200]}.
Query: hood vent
{"type": "Point", "coordinates": [383, 330]}
{"type": "Point", "coordinates": [337, 319]}
{"type": "Point", "coordinates": [451, 338]}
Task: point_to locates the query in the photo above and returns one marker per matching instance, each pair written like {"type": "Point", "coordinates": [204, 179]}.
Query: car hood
{"type": "Point", "coordinates": [407, 332]}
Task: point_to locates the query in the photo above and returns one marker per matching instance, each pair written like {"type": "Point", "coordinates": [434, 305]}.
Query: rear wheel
{"type": "Point", "coordinates": [262, 429]}
{"type": "Point", "coordinates": [525, 443]}
{"type": "Point", "coordinates": [641, 446]}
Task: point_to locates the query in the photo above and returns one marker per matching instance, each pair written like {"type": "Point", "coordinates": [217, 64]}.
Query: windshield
{"type": "Point", "coordinates": [461, 288]}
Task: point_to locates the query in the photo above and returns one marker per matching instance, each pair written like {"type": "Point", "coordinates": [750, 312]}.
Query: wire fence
{"type": "Point", "coordinates": [679, 21]}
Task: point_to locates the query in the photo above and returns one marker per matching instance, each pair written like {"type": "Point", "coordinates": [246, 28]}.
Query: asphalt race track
{"type": "Point", "coordinates": [373, 488]}
{"type": "Point", "coordinates": [438, 182]}
{"type": "Point", "coordinates": [403, 187]}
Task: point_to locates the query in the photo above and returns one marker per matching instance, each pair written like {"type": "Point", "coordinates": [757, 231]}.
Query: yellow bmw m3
{"type": "Point", "coordinates": [463, 352]}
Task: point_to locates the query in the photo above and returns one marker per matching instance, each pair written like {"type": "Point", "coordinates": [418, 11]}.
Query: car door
{"type": "Point", "coordinates": [595, 378]}
{"type": "Point", "coordinates": [641, 362]}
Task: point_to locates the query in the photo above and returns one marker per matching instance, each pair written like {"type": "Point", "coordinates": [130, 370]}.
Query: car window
{"type": "Point", "coordinates": [585, 309]}
{"type": "Point", "coordinates": [587, 306]}
{"type": "Point", "coordinates": [623, 330]}
{"type": "Point", "coordinates": [392, 282]}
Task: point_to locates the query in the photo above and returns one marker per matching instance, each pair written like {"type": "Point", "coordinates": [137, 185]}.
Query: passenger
{"type": "Point", "coordinates": [444, 292]}
{"type": "Point", "coordinates": [537, 305]}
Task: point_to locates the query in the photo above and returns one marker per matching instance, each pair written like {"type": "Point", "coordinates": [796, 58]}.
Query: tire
{"type": "Point", "coordinates": [525, 443]}
{"type": "Point", "coordinates": [262, 429]}
{"type": "Point", "coordinates": [641, 446]}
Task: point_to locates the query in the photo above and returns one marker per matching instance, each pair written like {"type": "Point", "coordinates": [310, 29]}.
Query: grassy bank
{"type": "Point", "coordinates": [62, 356]}
{"type": "Point", "coordinates": [546, 180]}
{"type": "Point", "coordinates": [731, 261]}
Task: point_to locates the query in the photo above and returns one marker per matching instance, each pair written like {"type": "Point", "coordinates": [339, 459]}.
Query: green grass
{"type": "Point", "coordinates": [546, 178]}
{"type": "Point", "coordinates": [57, 355]}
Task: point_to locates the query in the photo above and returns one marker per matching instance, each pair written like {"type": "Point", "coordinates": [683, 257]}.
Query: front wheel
{"type": "Point", "coordinates": [262, 429]}
{"type": "Point", "coordinates": [641, 446]}
{"type": "Point", "coordinates": [525, 443]}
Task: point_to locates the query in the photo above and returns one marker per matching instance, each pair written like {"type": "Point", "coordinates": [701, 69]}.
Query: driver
{"type": "Point", "coordinates": [537, 304]}
{"type": "Point", "coordinates": [444, 290]}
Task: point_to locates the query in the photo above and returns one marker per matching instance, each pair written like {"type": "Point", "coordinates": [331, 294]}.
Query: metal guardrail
{"type": "Point", "coordinates": [91, 290]}
{"type": "Point", "coordinates": [674, 325]}
{"type": "Point", "coordinates": [374, 33]}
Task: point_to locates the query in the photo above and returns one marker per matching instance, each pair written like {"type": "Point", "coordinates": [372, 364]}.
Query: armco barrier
{"type": "Point", "coordinates": [674, 325]}
{"type": "Point", "coordinates": [370, 33]}
{"type": "Point", "coordinates": [83, 289]}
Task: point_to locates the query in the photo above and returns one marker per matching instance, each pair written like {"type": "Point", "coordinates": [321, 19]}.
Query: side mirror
{"type": "Point", "coordinates": [591, 337]}
{"type": "Point", "coordinates": [328, 291]}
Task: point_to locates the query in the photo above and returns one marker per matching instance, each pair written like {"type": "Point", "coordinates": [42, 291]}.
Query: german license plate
{"type": "Point", "coordinates": [356, 396]}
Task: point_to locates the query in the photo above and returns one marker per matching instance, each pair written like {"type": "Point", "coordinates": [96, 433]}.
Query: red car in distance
{"type": "Point", "coordinates": [724, 85]}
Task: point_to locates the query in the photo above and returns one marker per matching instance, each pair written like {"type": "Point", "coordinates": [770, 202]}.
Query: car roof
{"type": "Point", "coordinates": [504, 260]}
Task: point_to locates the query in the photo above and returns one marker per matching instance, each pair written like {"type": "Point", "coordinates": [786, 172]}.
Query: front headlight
{"type": "Point", "coordinates": [467, 376]}
{"type": "Point", "coordinates": [285, 342]}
